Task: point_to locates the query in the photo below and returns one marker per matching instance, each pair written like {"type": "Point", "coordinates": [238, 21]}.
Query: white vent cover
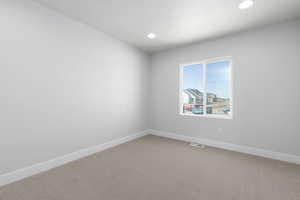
{"type": "Point", "coordinates": [194, 144]}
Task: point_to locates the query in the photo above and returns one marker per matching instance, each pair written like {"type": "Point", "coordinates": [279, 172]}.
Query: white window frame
{"type": "Point", "coordinates": [204, 63]}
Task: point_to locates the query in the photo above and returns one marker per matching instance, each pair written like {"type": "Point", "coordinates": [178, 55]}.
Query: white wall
{"type": "Point", "coordinates": [63, 85]}
{"type": "Point", "coordinates": [266, 89]}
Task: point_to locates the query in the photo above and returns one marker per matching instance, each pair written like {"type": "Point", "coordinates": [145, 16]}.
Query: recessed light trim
{"type": "Point", "coordinates": [151, 36]}
{"type": "Point", "coordinates": [245, 4]}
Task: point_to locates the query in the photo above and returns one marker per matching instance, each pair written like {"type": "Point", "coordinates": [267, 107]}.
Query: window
{"type": "Point", "coordinates": [206, 89]}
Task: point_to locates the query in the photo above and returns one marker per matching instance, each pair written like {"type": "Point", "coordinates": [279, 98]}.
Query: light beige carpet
{"type": "Point", "coordinates": [155, 168]}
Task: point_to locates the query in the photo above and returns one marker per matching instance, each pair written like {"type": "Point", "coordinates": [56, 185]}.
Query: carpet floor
{"type": "Point", "coordinates": [156, 168]}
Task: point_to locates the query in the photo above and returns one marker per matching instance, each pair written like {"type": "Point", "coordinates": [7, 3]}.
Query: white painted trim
{"type": "Point", "coordinates": [204, 77]}
{"type": "Point", "coordinates": [207, 116]}
{"type": "Point", "coordinates": [44, 166]}
{"type": "Point", "coordinates": [204, 63]}
{"type": "Point", "coordinates": [232, 147]}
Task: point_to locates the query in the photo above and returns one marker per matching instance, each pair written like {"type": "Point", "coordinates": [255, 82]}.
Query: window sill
{"type": "Point", "coordinates": [208, 116]}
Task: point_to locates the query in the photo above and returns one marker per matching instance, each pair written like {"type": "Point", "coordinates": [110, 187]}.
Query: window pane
{"type": "Point", "coordinates": [218, 88]}
{"type": "Point", "coordinates": [192, 93]}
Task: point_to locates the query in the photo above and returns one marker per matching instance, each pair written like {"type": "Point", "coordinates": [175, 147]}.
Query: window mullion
{"type": "Point", "coordinates": [204, 88]}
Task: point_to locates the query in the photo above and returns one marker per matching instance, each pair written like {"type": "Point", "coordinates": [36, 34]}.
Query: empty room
{"type": "Point", "coordinates": [149, 100]}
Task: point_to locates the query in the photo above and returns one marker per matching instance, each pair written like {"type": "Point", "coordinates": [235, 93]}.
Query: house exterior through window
{"type": "Point", "coordinates": [206, 88]}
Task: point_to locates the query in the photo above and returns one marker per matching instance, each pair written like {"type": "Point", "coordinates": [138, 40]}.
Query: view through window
{"type": "Point", "coordinates": [205, 88]}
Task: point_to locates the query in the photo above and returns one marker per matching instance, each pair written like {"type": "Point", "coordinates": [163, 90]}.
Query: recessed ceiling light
{"type": "Point", "coordinates": [151, 35]}
{"type": "Point", "coordinates": [246, 4]}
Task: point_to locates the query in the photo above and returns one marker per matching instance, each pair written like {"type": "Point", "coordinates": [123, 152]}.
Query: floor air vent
{"type": "Point", "coordinates": [197, 145]}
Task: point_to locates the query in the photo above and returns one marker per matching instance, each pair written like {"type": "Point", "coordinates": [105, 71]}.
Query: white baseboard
{"type": "Point", "coordinates": [233, 147]}
{"type": "Point", "coordinates": [44, 166]}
